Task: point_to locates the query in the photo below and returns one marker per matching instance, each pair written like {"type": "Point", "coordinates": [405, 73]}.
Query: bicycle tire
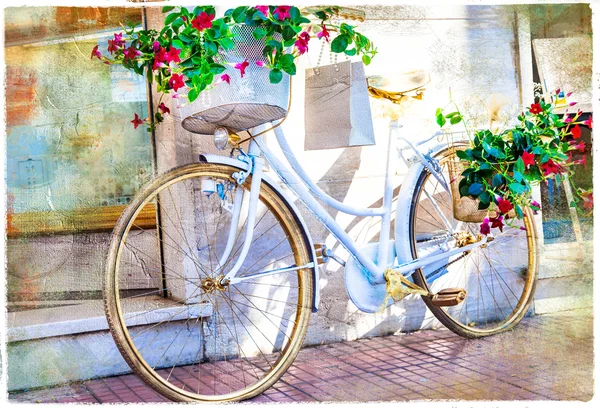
{"type": "Point", "coordinates": [508, 307]}
{"type": "Point", "coordinates": [140, 361]}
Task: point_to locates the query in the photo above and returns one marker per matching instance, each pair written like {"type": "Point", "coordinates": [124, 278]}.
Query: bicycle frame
{"type": "Point", "coordinates": [305, 189]}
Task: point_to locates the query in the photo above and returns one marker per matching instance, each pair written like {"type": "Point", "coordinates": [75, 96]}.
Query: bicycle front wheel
{"type": "Point", "coordinates": [499, 278]}
{"type": "Point", "coordinates": [184, 331]}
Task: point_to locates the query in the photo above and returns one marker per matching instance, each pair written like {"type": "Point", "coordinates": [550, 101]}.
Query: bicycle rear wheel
{"type": "Point", "coordinates": [499, 278]}
{"type": "Point", "coordinates": [178, 327]}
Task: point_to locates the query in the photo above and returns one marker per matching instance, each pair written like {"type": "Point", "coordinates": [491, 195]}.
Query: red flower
{"type": "Point", "coordinates": [550, 167]}
{"type": "Point", "coordinates": [119, 41]}
{"type": "Point", "coordinates": [112, 48]}
{"type": "Point", "coordinates": [576, 130]}
{"type": "Point", "coordinates": [535, 108]}
{"type": "Point", "coordinates": [263, 9]}
{"type": "Point", "coordinates": [302, 42]}
{"type": "Point", "coordinates": [281, 12]}
{"type": "Point", "coordinates": [504, 205]}
{"type": "Point", "coordinates": [497, 222]}
{"type": "Point", "coordinates": [203, 21]}
{"type": "Point", "coordinates": [242, 67]}
{"type": "Point", "coordinates": [137, 121]}
{"type": "Point", "coordinates": [163, 108]}
{"type": "Point", "coordinates": [588, 198]}
{"type": "Point", "coordinates": [96, 53]}
{"type": "Point", "coordinates": [588, 122]}
{"type": "Point", "coordinates": [528, 159]}
{"type": "Point", "coordinates": [484, 228]}
{"type": "Point", "coordinates": [574, 145]}
{"type": "Point", "coordinates": [173, 55]}
{"type": "Point", "coordinates": [176, 82]}
{"type": "Point", "coordinates": [132, 53]}
{"type": "Point", "coordinates": [160, 57]}
{"type": "Point", "coordinates": [226, 78]}
{"type": "Point", "coordinates": [324, 33]}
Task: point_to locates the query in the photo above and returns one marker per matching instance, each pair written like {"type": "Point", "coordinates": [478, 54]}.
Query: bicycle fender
{"type": "Point", "coordinates": [213, 158]}
{"type": "Point", "coordinates": [409, 184]}
{"type": "Point", "coordinates": [402, 228]}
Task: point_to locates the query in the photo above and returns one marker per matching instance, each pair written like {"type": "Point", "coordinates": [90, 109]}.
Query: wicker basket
{"type": "Point", "coordinates": [244, 103]}
{"type": "Point", "coordinates": [465, 209]}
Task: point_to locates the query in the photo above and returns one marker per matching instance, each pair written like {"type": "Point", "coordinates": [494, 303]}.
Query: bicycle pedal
{"type": "Point", "coordinates": [449, 297]}
{"type": "Point", "coordinates": [320, 250]}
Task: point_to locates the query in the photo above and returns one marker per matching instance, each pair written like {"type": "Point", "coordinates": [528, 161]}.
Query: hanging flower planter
{"type": "Point", "coordinates": [234, 70]}
{"type": "Point", "coordinates": [492, 179]}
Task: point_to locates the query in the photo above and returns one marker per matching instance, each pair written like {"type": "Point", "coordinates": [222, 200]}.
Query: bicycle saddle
{"type": "Point", "coordinates": [396, 86]}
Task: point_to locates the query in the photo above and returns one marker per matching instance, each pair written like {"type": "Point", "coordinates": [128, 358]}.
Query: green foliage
{"type": "Point", "coordinates": [506, 164]}
{"type": "Point", "coordinates": [195, 42]}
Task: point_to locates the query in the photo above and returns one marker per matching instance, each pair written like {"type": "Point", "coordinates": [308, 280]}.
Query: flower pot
{"type": "Point", "coordinates": [245, 102]}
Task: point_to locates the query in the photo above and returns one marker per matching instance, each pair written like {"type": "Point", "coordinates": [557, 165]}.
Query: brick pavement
{"type": "Point", "coordinates": [547, 357]}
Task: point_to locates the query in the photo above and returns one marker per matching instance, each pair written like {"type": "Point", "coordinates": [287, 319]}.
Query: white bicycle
{"type": "Point", "coordinates": [211, 299]}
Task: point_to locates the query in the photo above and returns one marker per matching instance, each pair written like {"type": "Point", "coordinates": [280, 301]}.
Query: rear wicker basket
{"type": "Point", "coordinates": [465, 209]}
{"type": "Point", "coordinates": [247, 101]}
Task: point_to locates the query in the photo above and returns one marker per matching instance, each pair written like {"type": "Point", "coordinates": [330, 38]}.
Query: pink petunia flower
{"type": "Point", "coordinates": [575, 145]}
{"type": "Point", "coordinates": [535, 108]}
{"type": "Point", "coordinates": [576, 131]}
{"type": "Point", "coordinates": [119, 41]}
{"type": "Point", "coordinates": [550, 167]}
{"type": "Point", "coordinates": [132, 53]}
{"type": "Point", "coordinates": [176, 82]}
{"type": "Point", "coordinates": [302, 42]}
{"type": "Point", "coordinates": [242, 67]}
{"type": "Point", "coordinates": [96, 53]}
{"type": "Point", "coordinates": [263, 9]}
{"type": "Point", "coordinates": [160, 57]}
{"type": "Point", "coordinates": [137, 121]}
{"type": "Point", "coordinates": [282, 12]}
{"type": "Point", "coordinates": [163, 108]}
{"type": "Point", "coordinates": [497, 222]}
{"type": "Point", "coordinates": [528, 159]}
{"type": "Point", "coordinates": [203, 21]}
{"type": "Point", "coordinates": [324, 33]}
{"type": "Point", "coordinates": [173, 55]}
{"type": "Point", "coordinates": [504, 205]}
{"type": "Point", "coordinates": [484, 228]}
{"type": "Point", "coordinates": [112, 48]}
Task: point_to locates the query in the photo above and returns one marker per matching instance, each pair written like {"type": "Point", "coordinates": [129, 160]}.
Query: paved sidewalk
{"type": "Point", "coordinates": [547, 357]}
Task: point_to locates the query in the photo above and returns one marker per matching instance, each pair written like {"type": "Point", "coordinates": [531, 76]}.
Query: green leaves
{"type": "Point", "coordinates": [239, 14]}
{"type": "Point", "coordinates": [476, 188]}
{"type": "Point", "coordinates": [339, 44]}
{"type": "Point", "coordinates": [170, 18]}
{"type": "Point", "coordinates": [259, 33]}
{"type": "Point", "coordinates": [440, 118]}
{"type": "Point", "coordinates": [275, 76]}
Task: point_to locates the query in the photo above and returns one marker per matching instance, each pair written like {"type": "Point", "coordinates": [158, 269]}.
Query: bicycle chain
{"type": "Point", "coordinates": [432, 273]}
